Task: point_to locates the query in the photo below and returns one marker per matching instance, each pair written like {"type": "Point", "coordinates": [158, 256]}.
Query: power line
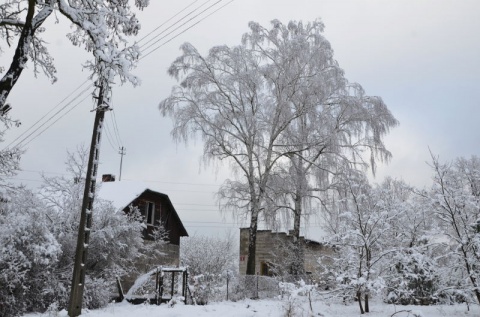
{"type": "Point", "coordinates": [108, 134]}
{"type": "Point", "coordinates": [178, 21]}
{"type": "Point", "coordinates": [142, 180]}
{"type": "Point", "coordinates": [116, 133]}
{"type": "Point", "coordinates": [185, 30]}
{"type": "Point", "coordinates": [178, 183]}
{"type": "Point", "coordinates": [115, 128]}
{"type": "Point", "coordinates": [46, 128]}
{"type": "Point", "coordinates": [171, 18]}
{"type": "Point", "coordinates": [43, 117]}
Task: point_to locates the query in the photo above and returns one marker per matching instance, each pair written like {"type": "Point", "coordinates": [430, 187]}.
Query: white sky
{"type": "Point", "coordinates": [422, 57]}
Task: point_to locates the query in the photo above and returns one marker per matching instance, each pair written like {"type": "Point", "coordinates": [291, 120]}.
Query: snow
{"type": "Point", "coordinates": [272, 308]}
{"type": "Point", "coordinates": [139, 283]}
{"type": "Point", "coordinates": [121, 194]}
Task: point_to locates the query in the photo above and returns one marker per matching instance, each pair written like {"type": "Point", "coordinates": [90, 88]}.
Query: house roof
{"type": "Point", "coordinates": [123, 193]}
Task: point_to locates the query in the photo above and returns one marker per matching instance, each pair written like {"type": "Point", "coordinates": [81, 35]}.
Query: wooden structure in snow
{"type": "Point", "coordinates": [170, 283]}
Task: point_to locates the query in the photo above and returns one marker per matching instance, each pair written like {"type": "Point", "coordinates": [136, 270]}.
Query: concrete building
{"type": "Point", "coordinates": [273, 253]}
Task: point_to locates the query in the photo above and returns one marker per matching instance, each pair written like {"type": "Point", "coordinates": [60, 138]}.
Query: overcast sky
{"type": "Point", "coordinates": [422, 57]}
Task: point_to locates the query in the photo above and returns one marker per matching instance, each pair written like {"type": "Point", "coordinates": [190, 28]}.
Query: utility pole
{"type": "Point", "coordinates": [122, 152]}
{"type": "Point", "coordinates": [84, 229]}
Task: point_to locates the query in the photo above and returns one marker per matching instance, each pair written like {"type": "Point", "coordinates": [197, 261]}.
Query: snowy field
{"type": "Point", "coordinates": [272, 308]}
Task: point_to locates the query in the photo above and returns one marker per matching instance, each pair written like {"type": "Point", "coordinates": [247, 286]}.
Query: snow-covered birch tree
{"type": "Point", "coordinates": [101, 27]}
{"type": "Point", "coordinates": [278, 97]}
{"type": "Point", "coordinates": [338, 120]}
{"type": "Point", "coordinates": [225, 98]}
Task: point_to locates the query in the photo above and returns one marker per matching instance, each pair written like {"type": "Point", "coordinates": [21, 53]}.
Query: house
{"type": "Point", "coordinates": [272, 253]}
{"type": "Point", "coordinates": [156, 208]}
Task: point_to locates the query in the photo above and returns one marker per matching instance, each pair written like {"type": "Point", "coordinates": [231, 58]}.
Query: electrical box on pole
{"type": "Point", "coordinates": [84, 229]}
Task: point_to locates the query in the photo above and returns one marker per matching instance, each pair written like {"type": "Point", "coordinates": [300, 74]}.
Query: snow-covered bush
{"type": "Point", "coordinates": [38, 237]}
{"type": "Point", "coordinates": [295, 294]}
{"type": "Point", "coordinates": [416, 280]}
{"type": "Point", "coordinates": [208, 255]}
{"type": "Point", "coordinates": [208, 259]}
{"type": "Point", "coordinates": [29, 253]}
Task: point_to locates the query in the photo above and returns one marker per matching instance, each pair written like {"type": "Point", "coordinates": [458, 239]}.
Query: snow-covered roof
{"type": "Point", "coordinates": [121, 193]}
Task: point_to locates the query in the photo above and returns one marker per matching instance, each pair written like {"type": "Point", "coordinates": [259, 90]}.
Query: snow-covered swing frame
{"type": "Point", "coordinates": [159, 284]}
{"type": "Point", "coordinates": [160, 295]}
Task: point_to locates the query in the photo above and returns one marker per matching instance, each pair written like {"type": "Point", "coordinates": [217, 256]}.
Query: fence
{"type": "Point", "coordinates": [215, 288]}
{"type": "Point", "coordinates": [237, 287]}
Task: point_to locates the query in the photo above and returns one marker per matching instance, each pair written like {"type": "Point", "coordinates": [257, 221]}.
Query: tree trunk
{"type": "Point", "coordinates": [367, 309]}
{"type": "Point", "coordinates": [297, 265]}
{"type": "Point", "coordinates": [252, 242]}
{"type": "Point", "coordinates": [359, 297]}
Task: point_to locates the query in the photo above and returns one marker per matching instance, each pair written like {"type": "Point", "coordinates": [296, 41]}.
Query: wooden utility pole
{"type": "Point", "coordinates": [122, 152]}
{"type": "Point", "coordinates": [84, 229]}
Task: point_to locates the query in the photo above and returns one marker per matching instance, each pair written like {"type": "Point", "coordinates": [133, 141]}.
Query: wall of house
{"type": "Point", "coordinates": [266, 242]}
{"type": "Point", "coordinates": [169, 257]}
{"type": "Point", "coordinates": [271, 245]}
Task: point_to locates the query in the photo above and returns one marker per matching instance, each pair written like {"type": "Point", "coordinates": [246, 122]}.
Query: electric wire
{"type": "Point", "coordinates": [134, 180]}
{"type": "Point", "coordinates": [171, 18]}
{"type": "Point", "coordinates": [178, 21]}
{"type": "Point", "coordinates": [23, 142]}
{"type": "Point", "coordinates": [108, 135]}
{"type": "Point", "coordinates": [36, 122]}
{"type": "Point", "coordinates": [113, 120]}
{"type": "Point", "coordinates": [46, 128]}
{"type": "Point", "coordinates": [183, 31]}
{"type": "Point", "coordinates": [113, 117]}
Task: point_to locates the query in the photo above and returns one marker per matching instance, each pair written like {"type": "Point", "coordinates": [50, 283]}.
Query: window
{"type": "Point", "coordinates": [150, 213]}
{"type": "Point", "coordinates": [264, 269]}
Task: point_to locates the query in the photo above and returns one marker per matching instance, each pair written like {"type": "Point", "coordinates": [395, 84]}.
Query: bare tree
{"type": "Point", "coordinates": [100, 28]}
{"type": "Point", "coordinates": [455, 197]}
{"type": "Point", "coordinates": [367, 215]}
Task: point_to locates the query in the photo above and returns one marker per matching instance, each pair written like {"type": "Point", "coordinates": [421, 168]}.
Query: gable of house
{"type": "Point", "coordinates": [155, 207]}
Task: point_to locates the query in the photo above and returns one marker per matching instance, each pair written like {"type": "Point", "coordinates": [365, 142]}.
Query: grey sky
{"type": "Point", "coordinates": [422, 57]}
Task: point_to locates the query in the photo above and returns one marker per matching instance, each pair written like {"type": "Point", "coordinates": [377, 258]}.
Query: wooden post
{"type": "Point", "coordinates": [161, 287]}
{"type": "Point", "coordinates": [173, 283]}
{"type": "Point", "coordinates": [121, 295]}
{"type": "Point", "coordinates": [228, 277]}
{"type": "Point", "coordinates": [83, 239]}
{"type": "Point", "coordinates": [156, 288]}
{"type": "Point", "coordinates": [184, 290]}
{"type": "Point", "coordinates": [187, 289]}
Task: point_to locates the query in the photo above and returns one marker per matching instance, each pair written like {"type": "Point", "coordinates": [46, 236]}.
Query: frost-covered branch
{"type": "Point", "coordinates": [101, 28]}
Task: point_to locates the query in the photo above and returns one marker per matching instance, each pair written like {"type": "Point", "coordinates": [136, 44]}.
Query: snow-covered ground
{"type": "Point", "coordinates": [272, 308]}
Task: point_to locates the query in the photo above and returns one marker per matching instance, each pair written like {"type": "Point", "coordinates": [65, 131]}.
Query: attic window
{"type": "Point", "coordinates": [150, 213]}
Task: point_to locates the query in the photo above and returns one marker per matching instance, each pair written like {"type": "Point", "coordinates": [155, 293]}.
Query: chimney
{"type": "Point", "coordinates": [108, 178]}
